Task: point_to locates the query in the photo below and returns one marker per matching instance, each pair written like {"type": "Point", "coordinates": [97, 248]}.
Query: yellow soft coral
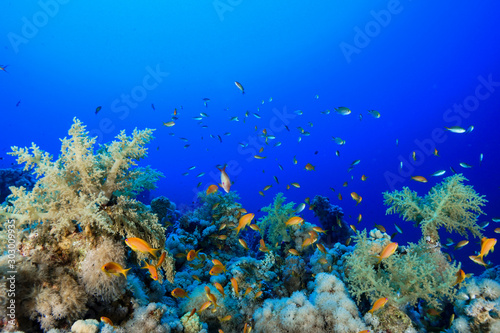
{"type": "Point", "coordinates": [86, 190]}
{"type": "Point", "coordinates": [450, 204]}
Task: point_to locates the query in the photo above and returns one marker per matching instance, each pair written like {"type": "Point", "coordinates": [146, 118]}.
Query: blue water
{"type": "Point", "coordinates": [410, 60]}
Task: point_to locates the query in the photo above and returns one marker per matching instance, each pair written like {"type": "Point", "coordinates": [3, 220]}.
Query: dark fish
{"type": "Point", "coordinates": [18, 103]}
{"type": "Point", "coordinates": [98, 109]}
{"type": "Point", "coordinates": [153, 106]}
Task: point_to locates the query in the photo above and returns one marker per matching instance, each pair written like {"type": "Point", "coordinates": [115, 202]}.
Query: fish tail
{"type": "Point", "coordinates": [124, 272]}
{"type": "Point", "coordinates": [153, 252]}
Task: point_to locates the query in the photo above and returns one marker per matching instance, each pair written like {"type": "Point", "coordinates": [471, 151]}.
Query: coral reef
{"type": "Point", "coordinates": [478, 307]}
{"type": "Point", "coordinates": [14, 177]}
{"type": "Point", "coordinates": [327, 309]}
{"type": "Point", "coordinates": [331, 218]}
{"type": "Point", "coordinates": [450, 204]}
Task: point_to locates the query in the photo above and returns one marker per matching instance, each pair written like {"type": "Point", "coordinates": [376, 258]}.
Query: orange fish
{"type": "Point", "coordinates": [161, 260]}
{"type": "Point", "coordinates": [461, 244]}
{"type": "Point", "coordinates": [152, 270]}
{"type": "Point", "coordinates": [192, 313]}
{"type": "Point", "coordinates": [108, 321]}
{"type": "Point", "coordinates": [178, 292]}
{"type": "Point", "coordinates": [115, 269]}
{"type": "Point", "coordinates": [294, 220]}
{"type": "Point", "coordinates": [137, 244]}
{"type": "Point", "coordinates": [225, 183]}
{"type": "Point", "coordinates": [234, 283]}
{"type": "Point", "coordinates": [247, 328]}
{"type": "Point", "coordinates": [321, 248]}
{"type": "Point", "coordinates": [460, 276]}
{"type": "Point", "coordinates": [356, 197]}
{"type": "Point", "coordinates": [388, 250]}
{"type": "Point", "coordinates": [205, 305]}
{"type": "Point", "coordinates": [192, 255]}
{"type": "Point", "coordinates": [378, 304]}
{"type": "Point", "coordinates": [294, 252]}
{"type": "Point", "coordinates": [263, 247]}
{"type": "Point", "coordinates": [420, 179]}
{"type": "Point", "coordinates": [318, 229]}
{"type": "Point", "coordinates": [216, 270]}
{"type": "Point", "coordinates": [244, 221]}
{"type": "Point", "coordinates": [226, 318]}
{"type": "Point", "coordinates": [212, 189]}
{"type": "Point", "coordinates": [219, 287]}
{"type": "Point", "coordinates": [487, 245]}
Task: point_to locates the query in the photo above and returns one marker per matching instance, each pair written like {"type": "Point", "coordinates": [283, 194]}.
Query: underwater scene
{"type": "Point", "coordinates": [244, 166]}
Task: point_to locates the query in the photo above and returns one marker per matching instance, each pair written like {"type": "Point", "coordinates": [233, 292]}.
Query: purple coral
{"type": "Point", "coordinates": [331, 218]}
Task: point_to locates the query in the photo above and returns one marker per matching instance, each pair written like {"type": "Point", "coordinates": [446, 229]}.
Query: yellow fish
{"type": "Point", "coordinates": [234, 283]}
{"type": "Point", "coordinates": [487, 245]}
{"type": "Point", "coordinates": [178, 292]}
{"type": "Point", "coordinates": [388, 250]}
{"type": "Point", "coordinates": [378, 304]}
{"type": "Point", "coordinates": [420, 179]}
{"type": "Point", "coordinates": [152, 270]}
{"type": "Point", "coordinates": [294, 252]}
{"type": "Point", "coordinates": [294, 220]}
{"type": "Point", "coordinates": [115, 269]}
{"type": "Point", "coordinates": [244, 221]}
{"type": "Point", "coordinates": [212, 189]}
{"type": "Point", "coordinates": [243, 243]}
{"type": "Point", "coordinates": [137, 244]}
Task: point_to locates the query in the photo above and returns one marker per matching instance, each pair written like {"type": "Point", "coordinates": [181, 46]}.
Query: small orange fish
{"type": "Point", "coordinates": [137, 244]}
{"type": "Point", "coordinates": [307, 242]}
{"type": "Point", "coordinates": [192, 255]}
{"type": "Point", "coordinates": [309, 167]}
{"type": "Point", "coordinates": [295, 185]}
{"type": "Point", "coordinates": [219, 287]}
{"type": "Point", "coordinates": [258, 294]}
{"type": "Point", "coordinates": [378, 304]}
{"type": "Point", "coordinates": [388, 250]}
{"type": "Point", "coordinates": [249, 289]}
{"type": "Point", "coordinates": [321, 247]}
{"type": "Point", "coordinates": [318, 229]}
{"type": "Point", "coordinates": [294, 220]}
{"type": "Point", "coordinates": [106, 320]}
{"type": "Point", "coordinates": [497, 230]}
{"type": "Point", "coordinates": [161, 260]}
{"type": "Point", "coordinates": [339, 196]}
{"type": "Point", "coordinates": [254, 227]}
{"type": "Point", "coordinates": [192, 313]}
{"type": "Point", "coordinates": [243, 243]}
{"type": "Point", "coordinates": [356, 197]}
{"type": "Point", "coordinates": [433, 312]}
{"type": "Point", "coordinates": [487, 245]}
{"type": "Point", "coordinates": [226, 318]}
{"type": "Point", "coordinates": [216, 270]}
{"type": "Point", "coordinates": [205, 306]}
{"type": "Point", "coordinates": [152, 270]}
{"type": "Point", "coordinates": [234, 283]}
{"type": "Point", "coordinates": [420, 179]}
{"type": "Point", "coordinates": [263, 247]}
{"type": "Point", "coordinates": [294, 252]}
{"type": "Point", "coordinates": [460, 277]}
{"type": "Point", "coordinates": [212, 189]}
{"type": "Point", "coordinates": [115, 269]}
{"type": "Point", "coordinates": [363, 177]}
{"type": "Point", "coordinates": [244, 221]}
{"type": "Point", "coordinates": [178, 292]}
{"type": "Point", "coordinates": [169, 124]}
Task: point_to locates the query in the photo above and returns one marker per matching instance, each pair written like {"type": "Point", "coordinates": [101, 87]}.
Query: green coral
{"type": "Point", "coordinates": [417, 272]}
{"type": "Point", "coordinates": [273, 224]}
{"type": "Point", "coordinates": [450, 204]}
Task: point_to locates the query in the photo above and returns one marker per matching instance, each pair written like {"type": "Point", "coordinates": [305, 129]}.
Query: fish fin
{"type": "Point", "coordinates": [153, 252]}
{"type": "Point", "coordinates": [124, 272]}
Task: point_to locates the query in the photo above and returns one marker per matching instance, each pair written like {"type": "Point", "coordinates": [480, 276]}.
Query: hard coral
{"type": "Point", "coordinates": [450, 204]}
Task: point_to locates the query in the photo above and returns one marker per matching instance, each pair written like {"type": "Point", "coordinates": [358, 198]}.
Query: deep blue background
{"type": "Point", "coordinates": [410, 60]}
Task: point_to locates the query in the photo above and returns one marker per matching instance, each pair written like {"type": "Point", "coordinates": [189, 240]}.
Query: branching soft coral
{"type": "Point", "coordinates": [450, 204]}
{"type": "Point", "coordinates": [273, 224]}
{"type": "Point", "coordinates": [418, 272]}
{"type": "Point", "coordinates": [82, 188]}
